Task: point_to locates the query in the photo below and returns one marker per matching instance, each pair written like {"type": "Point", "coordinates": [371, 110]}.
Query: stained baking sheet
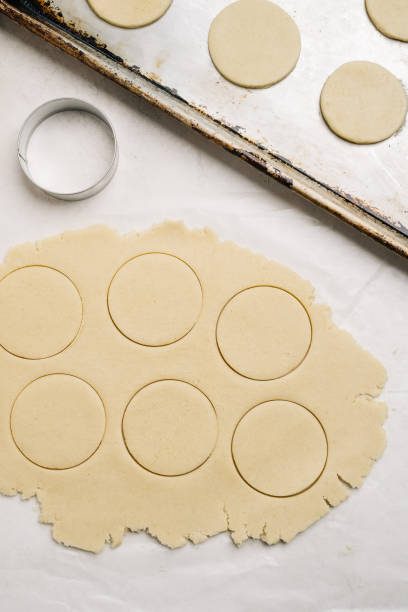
{"type": "Point", "coordinates": [279, 129]}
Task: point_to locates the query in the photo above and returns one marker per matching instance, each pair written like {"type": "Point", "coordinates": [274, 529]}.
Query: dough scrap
{"type": "Point", "coordinates": [390, 17]}
{"type": "Point", "coordinates": [363, 102]}
{"type": "Point", "coordinates": [130, 13]}
{"type": "Point", "coordinates": [170, 439]}
{"type": "Point", "coordinates": [254, 43]}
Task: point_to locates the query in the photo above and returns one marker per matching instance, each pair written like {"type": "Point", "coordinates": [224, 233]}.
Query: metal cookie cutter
{"type": "Point", "coordinates": [47, 110]}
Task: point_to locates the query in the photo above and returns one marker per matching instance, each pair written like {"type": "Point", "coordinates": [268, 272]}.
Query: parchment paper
{"type": "Point", "coordinates": [356, 558]}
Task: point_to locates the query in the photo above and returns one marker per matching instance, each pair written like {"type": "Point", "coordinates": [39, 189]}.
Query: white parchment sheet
{"type": "Point", "coordinates": [356, 558]}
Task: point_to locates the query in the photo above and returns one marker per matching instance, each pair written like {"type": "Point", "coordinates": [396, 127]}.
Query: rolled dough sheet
{"type": "Point", "coordinates": [390, 17]}
{"type": "Point", "coordinates": [363, 102]}
{"type": "Point", "coordinates": [254, 43]}
{"type": "Point", "coordinates": [192, 388]}
{"type": "Point", "coordinates": [130, 13]}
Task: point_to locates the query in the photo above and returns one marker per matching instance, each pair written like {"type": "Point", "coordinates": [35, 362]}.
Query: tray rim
{"type": "Point", "coordinates": [90, 52]}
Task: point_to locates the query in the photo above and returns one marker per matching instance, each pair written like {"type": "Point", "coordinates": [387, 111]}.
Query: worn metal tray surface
{"type": "Point", "coordinates": [279, 130]}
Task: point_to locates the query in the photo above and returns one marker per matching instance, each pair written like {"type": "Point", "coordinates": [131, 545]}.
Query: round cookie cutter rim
{"type": "Point", "coordinates": [43, 112]}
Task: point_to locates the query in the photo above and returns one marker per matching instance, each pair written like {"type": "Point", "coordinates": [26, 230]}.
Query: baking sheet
{"type": "Point", "coordinates": [168, 64]}
{"type": "Point", "coordinates": [286, 117]}
{"type": "Point", "coordinates": [355, 559]}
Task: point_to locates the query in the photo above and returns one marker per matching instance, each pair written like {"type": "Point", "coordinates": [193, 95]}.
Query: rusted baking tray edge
{"type": "Point", "coordinates": [350, 209]}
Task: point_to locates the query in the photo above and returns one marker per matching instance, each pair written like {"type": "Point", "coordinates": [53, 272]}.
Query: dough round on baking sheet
{"type": "Point", "coordinates": [58, 421]}
{"type": "Point", "coordinates": [155, 299]}
{"type": "Point", "coordinates": [363, 102]}
{"type": "Point", "coordinates": [254, 43]}
{"type": "Point", "coordinates": [264, 333]}
{"type": "Point", "coordinates": [170, 428]}
{"type": "Point", "coordinates": [40, 312]}
{"type": "Point", "coordinates": [390, 17]}
{"type": "Point", "coordinates": [279, 448]}
{"type": "Point", "coordinates": [129, 13]}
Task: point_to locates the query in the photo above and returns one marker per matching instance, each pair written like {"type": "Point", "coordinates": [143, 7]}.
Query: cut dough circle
{"type": "Point", "coordinates": [129, 13]}
{"type": "Point", "coordinates": [264, 333]}
{"type": "Point", "coordinates": [40, 312]}
{"type": "Point", "coordinates": [170, 428]}
{"type": "Point", "coordinates": [155, 299]}
{"type": "Point", "coordinates": [363, 102]}
{"type": "Point", "coordinates": [390, 17]}
{"type": "Point", "coordinates": [279, 448]}
{"type": "Point", "coordinates": [254, 43]}
{"type": "Point", "coordinates": [58, 421]}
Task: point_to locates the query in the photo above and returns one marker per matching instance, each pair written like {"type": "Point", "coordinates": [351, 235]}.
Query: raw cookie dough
{"type": "Point", "coordinates": [40, 312]}
{"type": "Point", "coordinates": [155, 299]}
{"type": "Point", "coordinates": [57, 421]}
{"type": "Point", "coordinates": [363, 102]}
{"type": "Point", "coordinates": [279, 448]}
{"type": "Point", "coordinates": [390, 17]}
{"type": "Point", "coordinates": [129, 13]}
{"type": "Point", "coordinates": [258, 345]}
{"type": "Point", "coordinates": [170, 427]}
{"type": "Point", "coordinates": [254, 43]}
{"type": "Point", "coordinates": [113, 435]}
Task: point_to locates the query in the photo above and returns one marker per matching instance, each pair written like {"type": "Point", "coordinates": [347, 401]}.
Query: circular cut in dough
{"type": "Point", "coordinates": [363, 102]}
{"type": "Point", "coordinates": [155, 299]}
{"type": "Point", "coordinates": [40, 312]}
{"type": "Point", "coordinates": [254, 43]}
{"type": "Point", "coordinates": [264, 333]}
{"type": "Point", "coordinates": [129, 13]}
{"type": "Point", "coordinates": [279, 448]}
{"type": "Point", "coordinates": [390, 17]}
{"type": "Point", "coordinates": [58, 421]}
{"type": "Point", "coordinates": [170, 428]}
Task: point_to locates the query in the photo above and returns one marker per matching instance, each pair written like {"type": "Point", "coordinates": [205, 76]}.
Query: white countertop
{"type": "Point", "coordinates": [356, 558]}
